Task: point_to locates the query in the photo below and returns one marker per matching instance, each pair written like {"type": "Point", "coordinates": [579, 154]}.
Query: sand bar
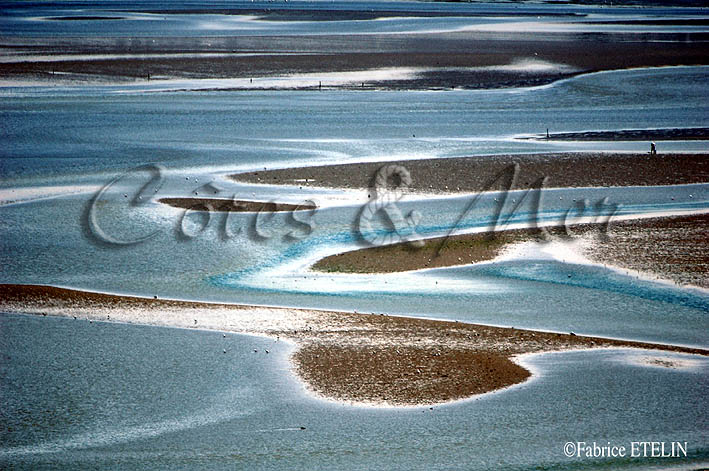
{"type": "Point", "coordinates": [683, 134]}
{"type": "Point", "coordinates": [359, 358]}
{"type": "Point", "coordinates": [227, 205]}
{"type": "Point", "coordinates": [474, 174]}
{"type": "Point", "coordinates": [668, 248]}
{"type": "Point", "coordinates": [469, 60]}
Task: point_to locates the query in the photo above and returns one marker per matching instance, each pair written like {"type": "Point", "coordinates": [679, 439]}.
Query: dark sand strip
{"type": "Point", "coordinates": [452, 57]}
{"type": "Point", "coordinates": [438, 72]}
{"type": "Point", "coordinates": [672, 248]}
{"type": "Point", "coordinates": [474, 174]}
{"type": "Point", "coordinates": [225, 205]}
{"type": "Point", "coordinates": [303, 14]}
{"type": "Point", "coordinates": [85, 18]}
{"type": "Point", "coordinates": [363, 358]}
{"type": "Point", "coordinates": [434, 253]}
{"type": "Point", "coordinates": [670, 134]}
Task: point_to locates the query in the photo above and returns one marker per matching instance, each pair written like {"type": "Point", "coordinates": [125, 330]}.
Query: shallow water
{"type": "Point", "coordinates": [129, 397]}
{"type": "Point", "coordinates": [126, 397]}
{"type": "Point", "coordinates": [129, 19]}
{"type": "Point", "coordinates": [68, 135]}
{"type": "Point", "coordinates": [199, 138]}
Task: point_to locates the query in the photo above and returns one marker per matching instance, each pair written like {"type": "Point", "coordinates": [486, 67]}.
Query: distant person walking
{"type": "Point", "coordinates": [653, 149]}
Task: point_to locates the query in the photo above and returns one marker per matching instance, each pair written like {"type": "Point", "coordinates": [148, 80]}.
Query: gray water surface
{"type": "Point", "coordinates": [130, 397]}
{"type": "Point", "coordinates": [79, 395]}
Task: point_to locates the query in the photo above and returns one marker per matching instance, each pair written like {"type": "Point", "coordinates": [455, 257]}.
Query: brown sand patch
{"type": "Point", "coordinates": [436, 252]}
{"type": "Point", "coordinates": [390, 374]}
{"type": "Point", "coordinates": [474, 174]}
{"type": "Point", "coordinates": [363, 358]}
{"type": "Point", "coordinates": [671, 248]}
{"type": "Point", "coordinates": [13, 296]}
{"type": "Point", "coordinates": [226, 205]}
{"type": "Point", "coordinates": [406, 361]}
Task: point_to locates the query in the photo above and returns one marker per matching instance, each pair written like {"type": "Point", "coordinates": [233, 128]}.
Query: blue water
{"type": "Point", "coordinates": [128, 20]}
{"type": "Point", "coordinates": [78, 395]}
{"type": "Point", "coordinates": [127, 397]}
{"type": "Point", "coordinates": [68, 140]}
{"type": "Point", "coordinates": [59, 135]}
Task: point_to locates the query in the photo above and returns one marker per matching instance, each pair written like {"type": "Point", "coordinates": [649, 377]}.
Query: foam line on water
{"type": "Point", "coordinates": [679, 362]}
{"type": "Point", "coordinates": [18, 195]}
{"type": "Point", "coordinates": [108, 436]}
{"type": "Point", "coordinates": [285, 81]}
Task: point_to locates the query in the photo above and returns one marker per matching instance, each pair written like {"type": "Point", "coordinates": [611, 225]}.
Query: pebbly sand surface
{"type": "Point", "coordinates": [434, 253]}
{"type": "Point", "coordinates": [668, 248]}
{"type": "Point", "coordinates": [479, 173]}
{"type": "Point", "coordinates": [672, 248]}
{"type": "Point", "coordinates": [358, 358]}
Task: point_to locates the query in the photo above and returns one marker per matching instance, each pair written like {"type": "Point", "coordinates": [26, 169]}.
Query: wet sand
{"type": "Point", "coordinates": [468, 60]}
{"type": "Point", "coordinates": [85, 18]}
{"type": "Point", "coordinates": [668, 248]}
{"type": "Point", "coordinates": [434, 253]}
{"type": "Point", "coordinates": [376, 358]}
{"type": "Point", "coordinates": [672, 248]}
{"type": "Point", "coordinates": [226, 206]}
{"type": "Point", "coordinates": [679, 134]}
{"type": "Point", "coordinates": [474, 174]}
{"type": "Point", "coordinates": [360, 358]}
{"type": "Point", "coordinates": [297, 14]}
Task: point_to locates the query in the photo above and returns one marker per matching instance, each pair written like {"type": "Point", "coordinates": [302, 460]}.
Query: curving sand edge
{"type": "Point", "coordinates": [357, 358]}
